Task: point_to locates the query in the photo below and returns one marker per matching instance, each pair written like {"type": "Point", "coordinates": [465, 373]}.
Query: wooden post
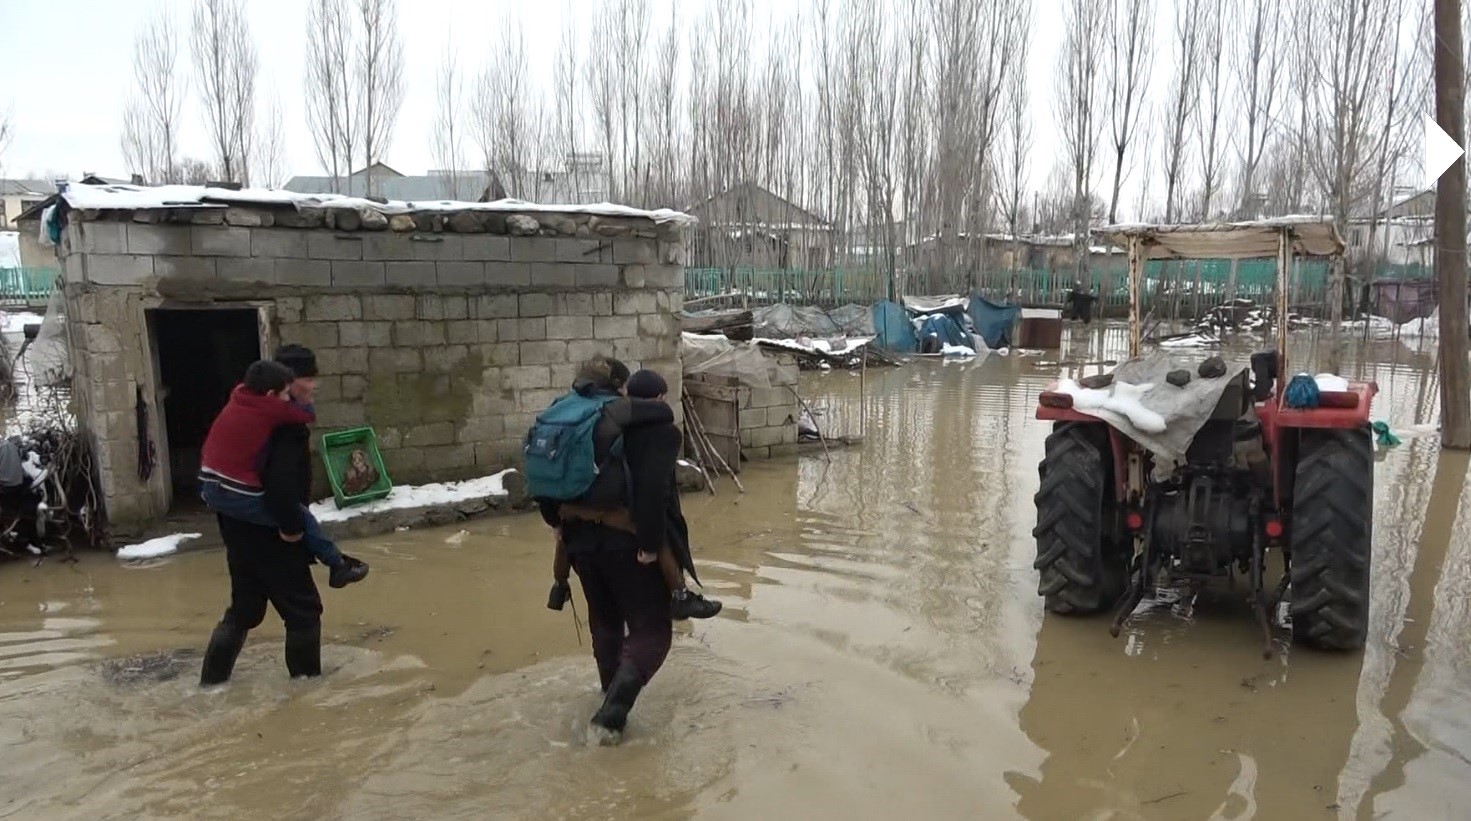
{"type": "Point", "coordinates": [1284, 265]}
{"type": "Point", "coordinates": [1450, 231]}
{"type": "Point", "coordinates": [1136, 270]}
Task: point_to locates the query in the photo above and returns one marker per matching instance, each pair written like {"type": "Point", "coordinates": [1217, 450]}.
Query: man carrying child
{"type": "Point", "coordinates": [256, 476]}
{"type": "Point", "coordinates": [625, 545]}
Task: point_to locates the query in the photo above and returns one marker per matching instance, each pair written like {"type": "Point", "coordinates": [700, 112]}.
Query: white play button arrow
{"type": "Point", "coordinates": [1440, 151]}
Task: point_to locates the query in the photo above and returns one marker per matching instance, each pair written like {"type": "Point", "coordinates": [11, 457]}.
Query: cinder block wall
{"type": "Point", "coordinates": [445, 332]}
{"type": "Point", "coordinates": [768, 417]}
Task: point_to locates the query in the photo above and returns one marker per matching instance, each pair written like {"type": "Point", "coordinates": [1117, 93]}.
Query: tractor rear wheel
{"type": "Point", "coordinates": [1082, 572]}
{"type": "Point", "coordinates": [1332, 534]}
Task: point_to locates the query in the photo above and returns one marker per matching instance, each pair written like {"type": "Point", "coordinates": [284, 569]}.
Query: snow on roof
{"type": "Point", "coordinates": [137, 198]}
{"type": "Point", "coordinates": [1311, 235]}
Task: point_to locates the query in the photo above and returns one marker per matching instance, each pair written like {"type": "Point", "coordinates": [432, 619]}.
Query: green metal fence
{"type": "Point", "coordinates": [27, 285]}
{"type": "Point", "coordinates": [1170, 288]}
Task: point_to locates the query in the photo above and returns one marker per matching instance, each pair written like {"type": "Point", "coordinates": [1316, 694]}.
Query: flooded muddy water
{"type": "Point", "coordinates": [882, 654]}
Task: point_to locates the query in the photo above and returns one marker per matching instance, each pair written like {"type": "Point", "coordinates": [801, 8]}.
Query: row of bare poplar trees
{"type": "Point", "coordinates": [909, 120]}
{"type": "Point", "coordinates": [354, 88]}
{"type": "Point", "coordinates": [899, 121]}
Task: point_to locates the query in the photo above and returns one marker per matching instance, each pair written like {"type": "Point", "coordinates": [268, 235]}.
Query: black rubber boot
{"type": "Point", "coordinates": [561, 592]}
{"type": "Point", "coordinates": [688, 605]}
{"type": "Point", "coordinates": [304, 652]}
{"type": "Point", "coordinates": [225, 644]}
{"type": "Point", "coordinates": [349, 571]}
{"type": "Point", "coordinates": [622, 692]}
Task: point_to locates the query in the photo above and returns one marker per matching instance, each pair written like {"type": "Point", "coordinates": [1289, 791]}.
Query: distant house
{"type": "Point", "coordinates": [580, 179]}
{"type": "Point", "coordinates": [1401, 232]}
{"type": "Point", "coordinates": [18, 195]}
{"type": "Point", "coordinates": [747, 225]}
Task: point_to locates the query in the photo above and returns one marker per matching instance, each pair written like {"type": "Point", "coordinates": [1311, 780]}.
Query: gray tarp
{"type": "Point", "coordinates": [787, 321]}
{"type": "Point", "coordinates": [714, 354]}
{"type": "Point", "coordinates": [1185, 410]}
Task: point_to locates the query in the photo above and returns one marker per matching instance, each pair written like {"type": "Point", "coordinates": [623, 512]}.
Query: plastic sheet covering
{"type": "Point", "coordinates": [993, 321]}
{"type": "Point", "coordinates": [934, 304]}
{"type": "Point", "coordinates": [892, 330]}
{"type": "Point", "coordinates": [714, 354]}
{"type": "Point", "coordinates": [48, 358]}
{"type": "Point", "coordinates": [1185, 410]}
{"type": "Point", "coordinates": [784, 321]}
{"type": "Point", "coordinates": [945, 327]}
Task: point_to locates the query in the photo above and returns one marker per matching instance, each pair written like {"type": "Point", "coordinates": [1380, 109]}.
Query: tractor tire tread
{"type": "Point", "coordinates": [1074, 577]}
{"type": "Point", "coordinates": [1332, 537]}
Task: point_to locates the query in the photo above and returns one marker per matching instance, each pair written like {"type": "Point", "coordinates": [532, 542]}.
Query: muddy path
{"type": "Point", "coordinates": [883, 654]}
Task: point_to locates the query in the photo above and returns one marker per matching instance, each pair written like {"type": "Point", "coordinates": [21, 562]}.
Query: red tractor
{"type": "Point", "coordinates": [1114, 523]}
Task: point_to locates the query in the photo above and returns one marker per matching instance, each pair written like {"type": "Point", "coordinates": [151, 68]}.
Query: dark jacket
{"type": "Point", "coordinates": [650, 448]}
{"type": "Point", "coordinates": [287, 477]}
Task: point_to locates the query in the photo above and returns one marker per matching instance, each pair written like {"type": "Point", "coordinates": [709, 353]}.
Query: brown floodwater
{"type": "Point", "coordinates": [882, 654]}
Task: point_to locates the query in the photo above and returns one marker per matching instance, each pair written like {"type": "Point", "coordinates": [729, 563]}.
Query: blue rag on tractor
{"type": "Point", "coordinates": [1302, 392]}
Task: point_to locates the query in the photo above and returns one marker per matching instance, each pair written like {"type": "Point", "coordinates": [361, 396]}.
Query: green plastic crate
{"type": "Point", "coordinates": [337, 448]}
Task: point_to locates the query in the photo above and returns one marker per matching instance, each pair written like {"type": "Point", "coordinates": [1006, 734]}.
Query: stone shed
{"type": "Point", "coordinates": [445, 326]}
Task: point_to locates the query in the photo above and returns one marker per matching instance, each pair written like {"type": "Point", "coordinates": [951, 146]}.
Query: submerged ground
{"type": "Point", "coordinates": [883, 654]}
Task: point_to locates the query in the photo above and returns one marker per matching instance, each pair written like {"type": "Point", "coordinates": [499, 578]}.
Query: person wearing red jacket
{"type": "Point", "coordinates": [234, 450]}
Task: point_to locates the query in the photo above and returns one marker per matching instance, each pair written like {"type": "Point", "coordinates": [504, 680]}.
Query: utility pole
{"type": "Point", "coordinates": [1450, 232]}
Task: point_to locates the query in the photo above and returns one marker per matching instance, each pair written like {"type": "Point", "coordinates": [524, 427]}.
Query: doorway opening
{"type": "Point", "coordinates": [201, 356]}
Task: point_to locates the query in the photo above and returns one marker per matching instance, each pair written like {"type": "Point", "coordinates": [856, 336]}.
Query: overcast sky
{"type": "Point", "coordinates": [68, 65]}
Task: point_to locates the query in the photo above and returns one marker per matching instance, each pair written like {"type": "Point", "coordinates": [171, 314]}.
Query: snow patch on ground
{"type": "Point", "coordinates": [153, 548]}
{"type": "Point", "coordinates": [16, 322]}
{"type": "Point", "coordinates": [959, 351]}
{"type": "Point", "coordinates": [1427, 328]}
{"type": "Point", "coordinates": [1120, 398]}
{"type": "Point", "coordinates": [407, 496]}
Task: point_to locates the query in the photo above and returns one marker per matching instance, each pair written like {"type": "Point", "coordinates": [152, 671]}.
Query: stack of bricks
{"type": "Point", "coordinates": [446, 332]}
{"type": "Point", "coordinates": [768, 416]}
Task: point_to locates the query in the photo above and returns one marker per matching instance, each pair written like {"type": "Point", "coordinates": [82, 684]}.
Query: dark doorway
{"type": "Point", "coordinates": [201, 355]}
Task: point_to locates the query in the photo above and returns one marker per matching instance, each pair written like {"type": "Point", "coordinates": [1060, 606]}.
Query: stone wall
{"type": "Point", "coordinates": [445, 332]}
{"type": "Point", "coordinates": [768, 416]}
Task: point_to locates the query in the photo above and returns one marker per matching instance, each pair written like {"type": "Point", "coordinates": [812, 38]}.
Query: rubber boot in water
{"type": "Point", "coordinates": [612, 717]}
{"type": "Point", "coordinates": [304, 651]}
{"type": "Point", "coordinates": [225, 644]}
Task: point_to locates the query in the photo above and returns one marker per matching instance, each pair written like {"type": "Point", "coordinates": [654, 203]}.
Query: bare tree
{"type": "Point", "coordinates": [1131, 54]}
{"type": "Point", "coordinates": [1212, 101]}
{"type": "Point", "coordinates": [271, 161]}
{"type": "Point", "coordinates": [1181, 103]}
{"type": "Point", "coordinates": [329, 104]}
{"type": "Point", "coordinates": [194, 171]}
{"type": "Point", "coordinates": [508, 120]}
{"type": "Point", "coordinates": [150, 138]}
{"type": "Point", "coordinates": [1260, 63]}
{"type": "Point", "coordinates": [1079, 94]}
{"type": "Point", "coordinates": [380, 72]}
{"type": "Point", "coordinates": [225, 67]}
{"type": "Point", "coordinates": [568, 112]}
{"type": "Point", "coordinates": [7, 133]}
{"type": "Point", "coordinates": [1349, 114]}
{"type": "Point", "coordinates": [447, 135]}
{"type": "Point", "coordinates": [664, 190]}
{"type": "Point", "coordinates": [1015, 161]}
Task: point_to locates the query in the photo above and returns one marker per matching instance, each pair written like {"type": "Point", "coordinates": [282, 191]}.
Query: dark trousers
{"type": "Point", "coordinates": [627, 602]}
{"type": "Point", "coordinates": [266, 570]}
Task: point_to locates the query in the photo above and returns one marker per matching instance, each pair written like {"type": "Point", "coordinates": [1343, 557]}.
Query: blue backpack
{"type": "Point", "coordinates": [561, 448]}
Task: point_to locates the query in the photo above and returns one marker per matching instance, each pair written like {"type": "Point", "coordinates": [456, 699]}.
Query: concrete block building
{"type": "Point", "coordinates": [444, 326]}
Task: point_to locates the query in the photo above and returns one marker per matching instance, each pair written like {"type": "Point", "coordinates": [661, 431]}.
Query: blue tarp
{"type": "Point", "coordinates": [993, 321]}
{"type": "Point", "coordinates": [945, 326]}
{"type": "Point", "coordinates": [892, 331]}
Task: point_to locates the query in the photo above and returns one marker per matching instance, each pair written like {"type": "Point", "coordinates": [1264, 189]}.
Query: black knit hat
{"type": "Point", "coordinates": [299, 359]}
{"type": "Point", "coordinates": [646, 384]}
